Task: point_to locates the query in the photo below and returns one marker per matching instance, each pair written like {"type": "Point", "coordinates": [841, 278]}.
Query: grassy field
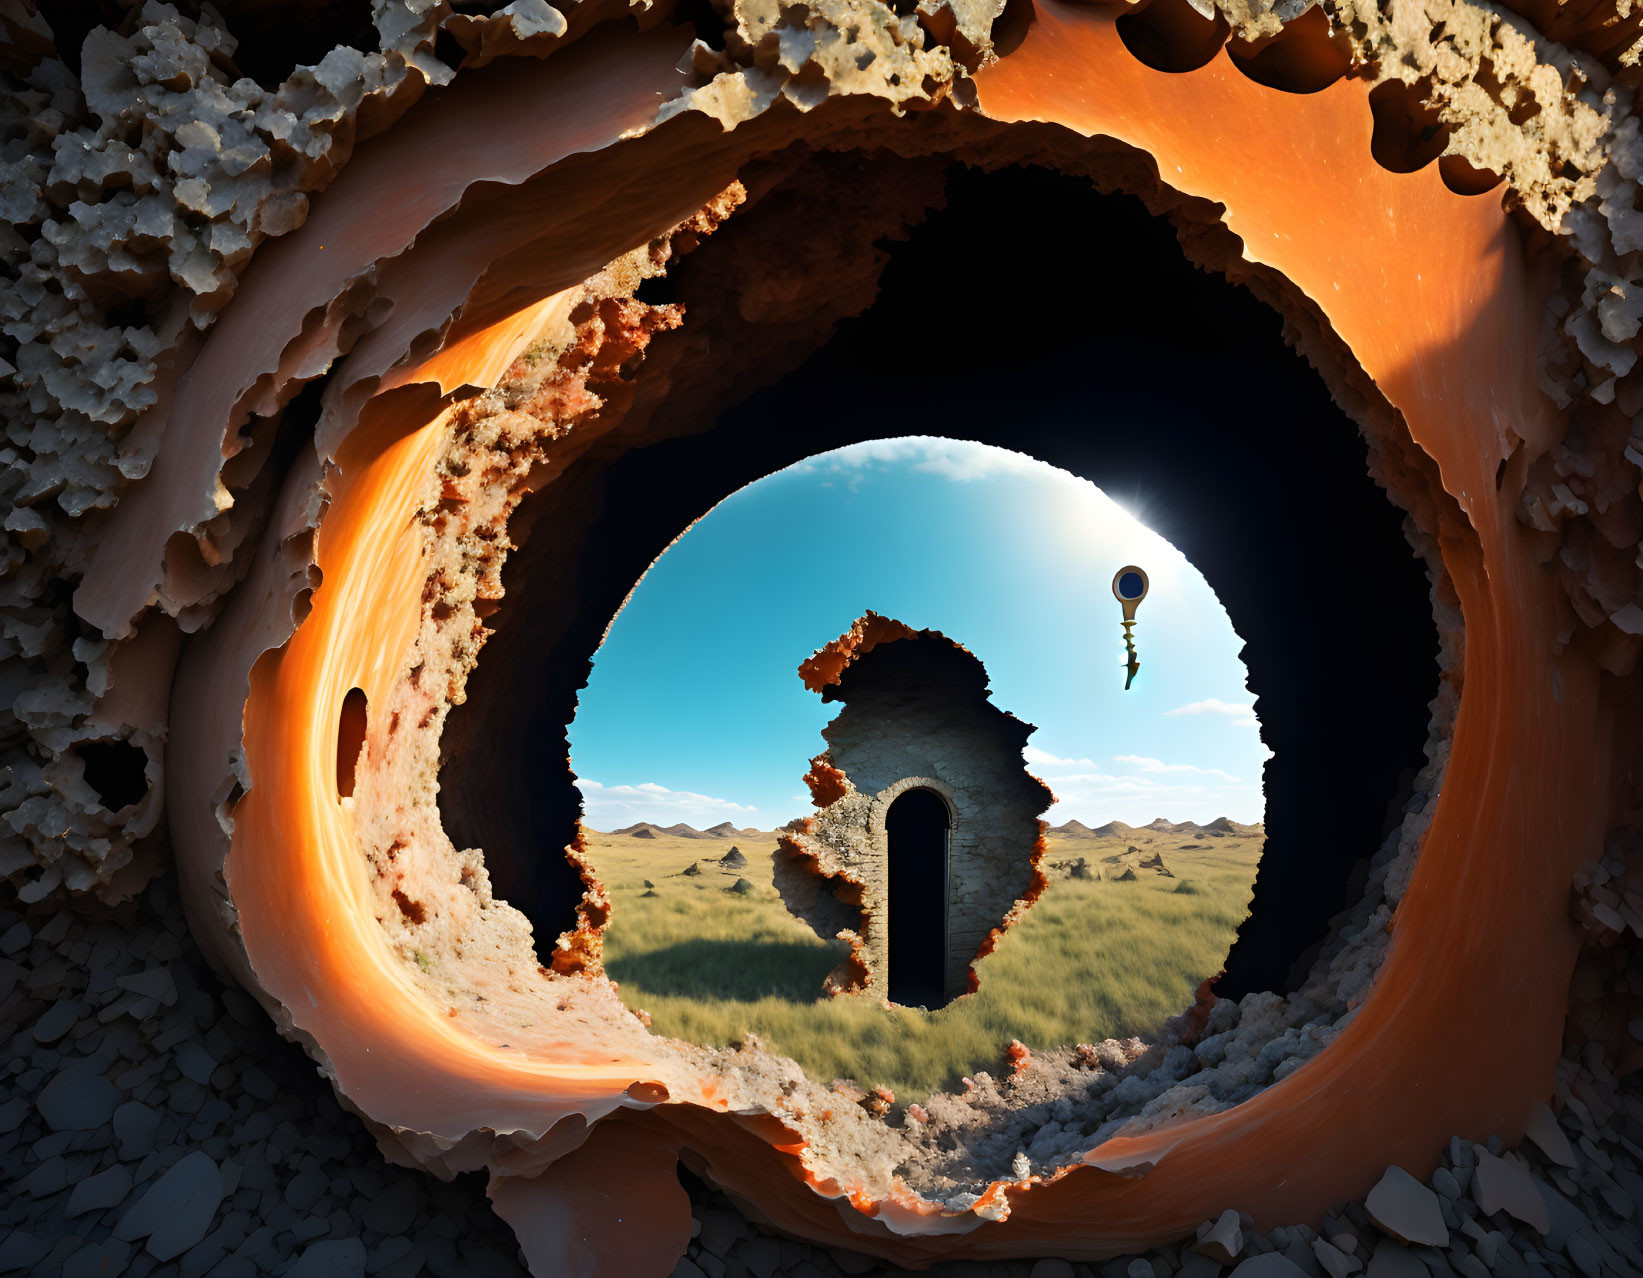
{"type": "Point", "coordinates": [1092, 959]}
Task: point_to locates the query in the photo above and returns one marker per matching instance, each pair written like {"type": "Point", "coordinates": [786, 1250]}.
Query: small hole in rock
{"type": "Point", "coordinates": [658, 290]}
{"type": "Point", "coordinates": [448, 49]}
{"type": "Point", "coordinates": [271, 43]}
{"type": "Point", "coordinates": [1464, 178]}
{"type": "Point", "coordinates": [1408, 133]}
{"type": "Point", "coordinates": [1170, 35]}
{"type": "Point", "coordinates": [115, 769]}
{"type": "Point", "coordinates": [130, 313]}
{"type": "Point", "coordinates": [1012, 26]}
{"type": "Point", "coordinates": [1305, 57]}
{"type": "Point", "coordinates": [350, 738]}
{"type": "Point", "coordinates": [703, 20]}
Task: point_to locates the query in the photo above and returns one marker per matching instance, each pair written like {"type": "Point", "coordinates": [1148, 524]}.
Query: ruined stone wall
{"type": "Point", "coordinates": [971, 756]}
{"type": "Point", "coordinates": [898, 732]}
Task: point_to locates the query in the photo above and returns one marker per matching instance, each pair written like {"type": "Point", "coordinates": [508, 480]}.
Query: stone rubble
{"type": "Point", "coordinates": [124, 1154]}
{"type": "Point", "coordinates": [157, 1124]}
{"type": "Point", "coordinates": [1407, 1210]}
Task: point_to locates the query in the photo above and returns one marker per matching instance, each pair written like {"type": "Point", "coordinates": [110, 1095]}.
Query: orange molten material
{"type": "Point", "coordinates": [1429, 291]}
{"type": "Point", "coordinates": [827, 664]}
{"type": "Point", "coordinates": [825, 781]}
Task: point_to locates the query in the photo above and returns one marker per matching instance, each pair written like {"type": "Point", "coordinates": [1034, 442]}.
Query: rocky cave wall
{"type": "Point", "coordinates": [174, 279]}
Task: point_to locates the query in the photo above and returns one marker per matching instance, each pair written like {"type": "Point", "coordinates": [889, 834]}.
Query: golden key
{"type": "Point", "coordinates": [1129, 587]}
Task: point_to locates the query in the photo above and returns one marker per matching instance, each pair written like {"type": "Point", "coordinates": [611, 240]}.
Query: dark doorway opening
{"type": "Point", "coordinates": [917, 828]}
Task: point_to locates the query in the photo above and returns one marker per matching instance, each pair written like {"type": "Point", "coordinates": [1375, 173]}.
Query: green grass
{"type": "Point", "coordinates": [1091, 960]}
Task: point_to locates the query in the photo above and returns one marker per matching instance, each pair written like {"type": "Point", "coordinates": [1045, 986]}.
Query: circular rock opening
{"type": "Point", "coordinates": [1156, 381]}
{"type": "Point", "coordinates": [116, 770]}
{"type": "Point", "coordinates": [1006, 838]}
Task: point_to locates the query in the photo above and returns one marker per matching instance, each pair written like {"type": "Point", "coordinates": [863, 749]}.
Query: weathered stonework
{"type": "Point", "coordinates": [916, 716]}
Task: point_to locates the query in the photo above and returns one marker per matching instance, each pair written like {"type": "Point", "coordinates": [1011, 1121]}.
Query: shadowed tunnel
{"type": "Point", "coordinates": [1164, 385]}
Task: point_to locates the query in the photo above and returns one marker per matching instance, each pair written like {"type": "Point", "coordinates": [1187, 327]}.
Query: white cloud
{"type": "Point", "coordinates": [1241, 714]}
{"type": "Point", "coordinates": [958, 460]}
{"type": "Point", "coordinates": [1095, 799]}
{"type": "Point", "coordinates": [1044, 759]}
{"type": "Point", "coordinates": [1136, 800]}
{"type": "Point", "coordinates": [1176, 791]}
{"type": "Point", "coordinates": [1214, 705]}
{"type": "Point", "coordinates": [1054, 766]}
{"type": "Point", "coordinates": [963, 463]}
{"type": "Point", "coordinates": [1146, 763]}
{"type": "Point", "coordinates": [608, 807]}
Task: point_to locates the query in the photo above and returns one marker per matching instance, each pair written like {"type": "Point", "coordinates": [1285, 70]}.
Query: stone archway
{"type": "Point", "coordinates": [918, 833]}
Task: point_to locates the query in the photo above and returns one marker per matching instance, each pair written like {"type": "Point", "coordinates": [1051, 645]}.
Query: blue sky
{"type": "Point", "coordinates": [694, 711]}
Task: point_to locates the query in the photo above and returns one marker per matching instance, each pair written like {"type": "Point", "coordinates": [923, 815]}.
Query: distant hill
{"type": "Point", "coordinates": [1226, 825]}
{"type": "Point", "coordinates": [650, 830]}
{"type": "Point", "coordinates": [1221, 827]}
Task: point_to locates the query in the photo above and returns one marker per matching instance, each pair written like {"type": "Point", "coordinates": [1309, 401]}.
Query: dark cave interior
{"type": "Point", "coordinates": [1163, 384]}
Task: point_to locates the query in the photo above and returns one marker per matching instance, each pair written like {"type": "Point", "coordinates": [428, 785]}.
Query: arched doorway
{"type": "Point", "coordinates": [917, 828]}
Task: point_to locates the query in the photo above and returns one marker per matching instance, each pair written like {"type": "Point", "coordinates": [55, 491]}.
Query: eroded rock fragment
{"type": "Point", "coordinates": [1407, 1210]}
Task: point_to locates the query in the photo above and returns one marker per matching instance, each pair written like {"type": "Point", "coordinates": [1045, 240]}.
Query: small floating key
{"type": "Point", "coordinates": [1129, 587]}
